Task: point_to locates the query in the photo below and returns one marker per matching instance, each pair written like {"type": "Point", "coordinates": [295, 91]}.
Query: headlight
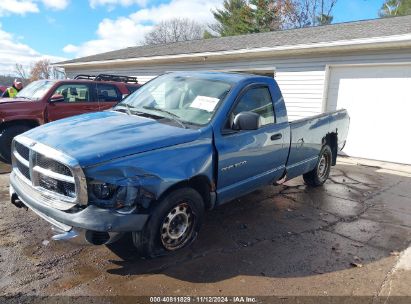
{"type": "Point", "coordinates": [103, 191]}
{"type": "Point", "coordinates": [109, 196]}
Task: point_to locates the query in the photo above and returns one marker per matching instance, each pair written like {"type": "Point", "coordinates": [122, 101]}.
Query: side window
{"type": "Point", "coordinates": [257, 100]}
{"type": "Point", "coordinates": [74, 92]}
{"type": "Point", "coordinates": [108, 92]}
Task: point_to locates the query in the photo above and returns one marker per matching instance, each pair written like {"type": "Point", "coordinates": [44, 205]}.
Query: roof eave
{"type": "Point", "coordinates": [373, 43]}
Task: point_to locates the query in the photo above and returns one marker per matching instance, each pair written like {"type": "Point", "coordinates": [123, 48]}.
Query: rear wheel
{"type": "Point", "coordinates": [174, 224]}
{"type": "Point", "coordinates": [6, 138]}
{"type": "Point", "coordinates": [320, 173]}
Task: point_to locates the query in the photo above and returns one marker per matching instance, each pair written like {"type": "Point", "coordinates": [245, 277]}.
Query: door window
{"type": "Point", "coordinates": [108, 92]}
{"type": "Point", "coordinates": [257, 100]}
{"type": "Point", "coordinates": [74, 92]}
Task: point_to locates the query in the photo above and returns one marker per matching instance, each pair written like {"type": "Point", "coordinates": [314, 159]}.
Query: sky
{"type": "Point", "coordinates": [63, 29]}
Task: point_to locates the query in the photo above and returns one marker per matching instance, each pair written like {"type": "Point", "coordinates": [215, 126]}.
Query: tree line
{"type": "Point", "coordinates": [237, 17]}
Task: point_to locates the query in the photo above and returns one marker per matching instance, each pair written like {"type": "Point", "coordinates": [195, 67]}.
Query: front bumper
{"type": "Point", "coordinates": [91, 218]}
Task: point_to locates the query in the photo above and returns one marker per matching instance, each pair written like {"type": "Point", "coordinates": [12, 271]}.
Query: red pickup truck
{"type": "Point", "coordinates": [44, 101]}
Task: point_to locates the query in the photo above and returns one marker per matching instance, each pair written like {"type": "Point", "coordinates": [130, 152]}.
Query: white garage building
{"type": "Point", "coordinates": [362, 66]}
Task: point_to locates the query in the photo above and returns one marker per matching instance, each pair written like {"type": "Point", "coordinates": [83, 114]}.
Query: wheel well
{"type": "Point", "coordinates": [199, 183]}
{"type": "Point", "coordinates": [28, 123]}
{"type": "Point", "coordinates": [331, 139]}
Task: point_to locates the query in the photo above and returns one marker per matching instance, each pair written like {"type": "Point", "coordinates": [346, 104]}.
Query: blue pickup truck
{"type": "Point", "coordinates": [186, 142]}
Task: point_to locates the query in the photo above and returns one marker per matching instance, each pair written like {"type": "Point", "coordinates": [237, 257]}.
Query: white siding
{"type": "Point", "coordinates": [291, 64]}
{"type": "Point", "coordinates": [302, 91]}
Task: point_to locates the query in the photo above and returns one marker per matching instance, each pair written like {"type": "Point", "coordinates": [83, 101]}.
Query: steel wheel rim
{"type": "Point", "coordinates": [177, 227]}
{"type": "Point", "coordinates": [322, 167]}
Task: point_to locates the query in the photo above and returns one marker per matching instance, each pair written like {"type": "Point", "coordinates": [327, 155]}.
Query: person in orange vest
{"type": "Point", "coordinates": [12, 91]}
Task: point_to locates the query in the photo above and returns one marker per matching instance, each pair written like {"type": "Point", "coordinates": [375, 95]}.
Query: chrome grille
{"type": "Point", "coordinates": [52, 165]}
{"type": "Point", "coordinates": [25, 171]}
{"type": "Point", "coordinates": [61, 187]}
{"type": "Point", "coordinates": [52, 174]}
{"type": "Point", "coordinates": [23, 151]}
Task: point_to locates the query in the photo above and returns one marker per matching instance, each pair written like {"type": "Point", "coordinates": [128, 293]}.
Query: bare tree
{"type": "Point", "coordinates": [174, 30]}
{"type": "Point", "coordinates": [41, 70]}
{"type": "Point", "coordinates": [21, 73]}
{"type": "Point", "coordinates": [324, 19]}
{"type": "Point", "coordinates": [311, 12]}
{"type": "Point", "coordinates": [324, 15]}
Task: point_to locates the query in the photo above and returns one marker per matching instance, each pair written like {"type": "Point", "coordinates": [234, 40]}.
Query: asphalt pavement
{"type": "Point", "coordinates": [349, 238]}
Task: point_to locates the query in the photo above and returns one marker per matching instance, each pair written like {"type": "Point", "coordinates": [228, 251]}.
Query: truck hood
{"type": "Point", "coordinates": [103, 136]}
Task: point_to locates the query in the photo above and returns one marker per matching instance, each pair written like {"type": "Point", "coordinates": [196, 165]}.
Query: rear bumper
{"type": "Point", "coordinates": [91, 218]}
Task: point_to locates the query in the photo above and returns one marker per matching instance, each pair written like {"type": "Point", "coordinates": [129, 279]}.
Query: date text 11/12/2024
{"type": "Point", "coordinates": [203, 299]}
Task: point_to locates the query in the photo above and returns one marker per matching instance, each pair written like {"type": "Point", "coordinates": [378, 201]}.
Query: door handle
{"type": "Point", "coordinates": [276, 136]}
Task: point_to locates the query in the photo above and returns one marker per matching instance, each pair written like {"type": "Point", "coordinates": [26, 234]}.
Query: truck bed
{"type": "Point", "coordinates": [309, 134]}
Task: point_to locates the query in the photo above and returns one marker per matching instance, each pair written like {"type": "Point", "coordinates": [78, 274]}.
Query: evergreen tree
{"type": "Point", "coordinates": [235, 18]}
{"type": "Point", "coordinates": [391, 8]}
{"type": "Point", "coordinates": [266, 15]}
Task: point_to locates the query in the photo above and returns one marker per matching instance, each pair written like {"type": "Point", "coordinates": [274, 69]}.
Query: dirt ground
{"type": "Point", "coordinates": [347, 238]}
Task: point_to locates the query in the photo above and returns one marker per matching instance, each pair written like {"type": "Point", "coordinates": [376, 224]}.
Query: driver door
{"type": "Point", "coordinates": [78, 99]}
{"type": "Point", "coordinates": [248, 159]}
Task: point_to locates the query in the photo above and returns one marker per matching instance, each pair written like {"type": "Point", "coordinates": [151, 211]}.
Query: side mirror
{"type": "Point", "coordinates": [124, 96]}
{"type": "Point", "coordinates": [246, 121]}
{"type": "Point", "coordinates": [57, 98]}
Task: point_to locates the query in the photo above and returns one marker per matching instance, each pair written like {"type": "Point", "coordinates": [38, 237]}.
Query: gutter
{"type": "Point", "coordinates": [339, 45]}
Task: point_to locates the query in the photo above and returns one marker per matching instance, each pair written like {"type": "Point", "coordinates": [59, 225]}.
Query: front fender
{"type": "Point", "coordinates": [154, 172]}
{"type": "Point", "coordinates": [32, 111]}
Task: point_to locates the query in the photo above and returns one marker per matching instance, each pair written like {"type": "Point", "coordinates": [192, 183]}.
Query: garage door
{"type": "Point", "coordinates": [378, 99]}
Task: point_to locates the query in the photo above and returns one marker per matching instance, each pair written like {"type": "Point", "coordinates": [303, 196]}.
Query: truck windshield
{"type": "Point", "coordinates": [187, 99]}
{"type": "Point", "coordinates": [35, 90]}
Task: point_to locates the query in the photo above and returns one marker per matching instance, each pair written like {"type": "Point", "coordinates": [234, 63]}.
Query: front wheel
{"type": "Point", "coordinates": [320, 173]}
{"type": "Point", "coordinates": [174, 224]}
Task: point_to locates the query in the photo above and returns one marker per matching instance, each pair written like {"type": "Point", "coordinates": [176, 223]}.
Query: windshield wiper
{"type": "Point", "coordinates": [172, 116]}
{"type": "Point", "coordinates": [126, 106]}
{"type": "Point", "coordinates": [130, 110]}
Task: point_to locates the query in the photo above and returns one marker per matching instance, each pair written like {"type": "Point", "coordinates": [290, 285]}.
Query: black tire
{"type": "Point", "coordinates": [6, 137]}
{"type": "Point", "coordinates": [161, 234]}
{"type": "Point", "coordinates": [320, 173]}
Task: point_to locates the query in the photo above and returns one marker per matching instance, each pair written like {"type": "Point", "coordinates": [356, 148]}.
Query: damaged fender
{"type": "Point", "coordinates": [143, 178]}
